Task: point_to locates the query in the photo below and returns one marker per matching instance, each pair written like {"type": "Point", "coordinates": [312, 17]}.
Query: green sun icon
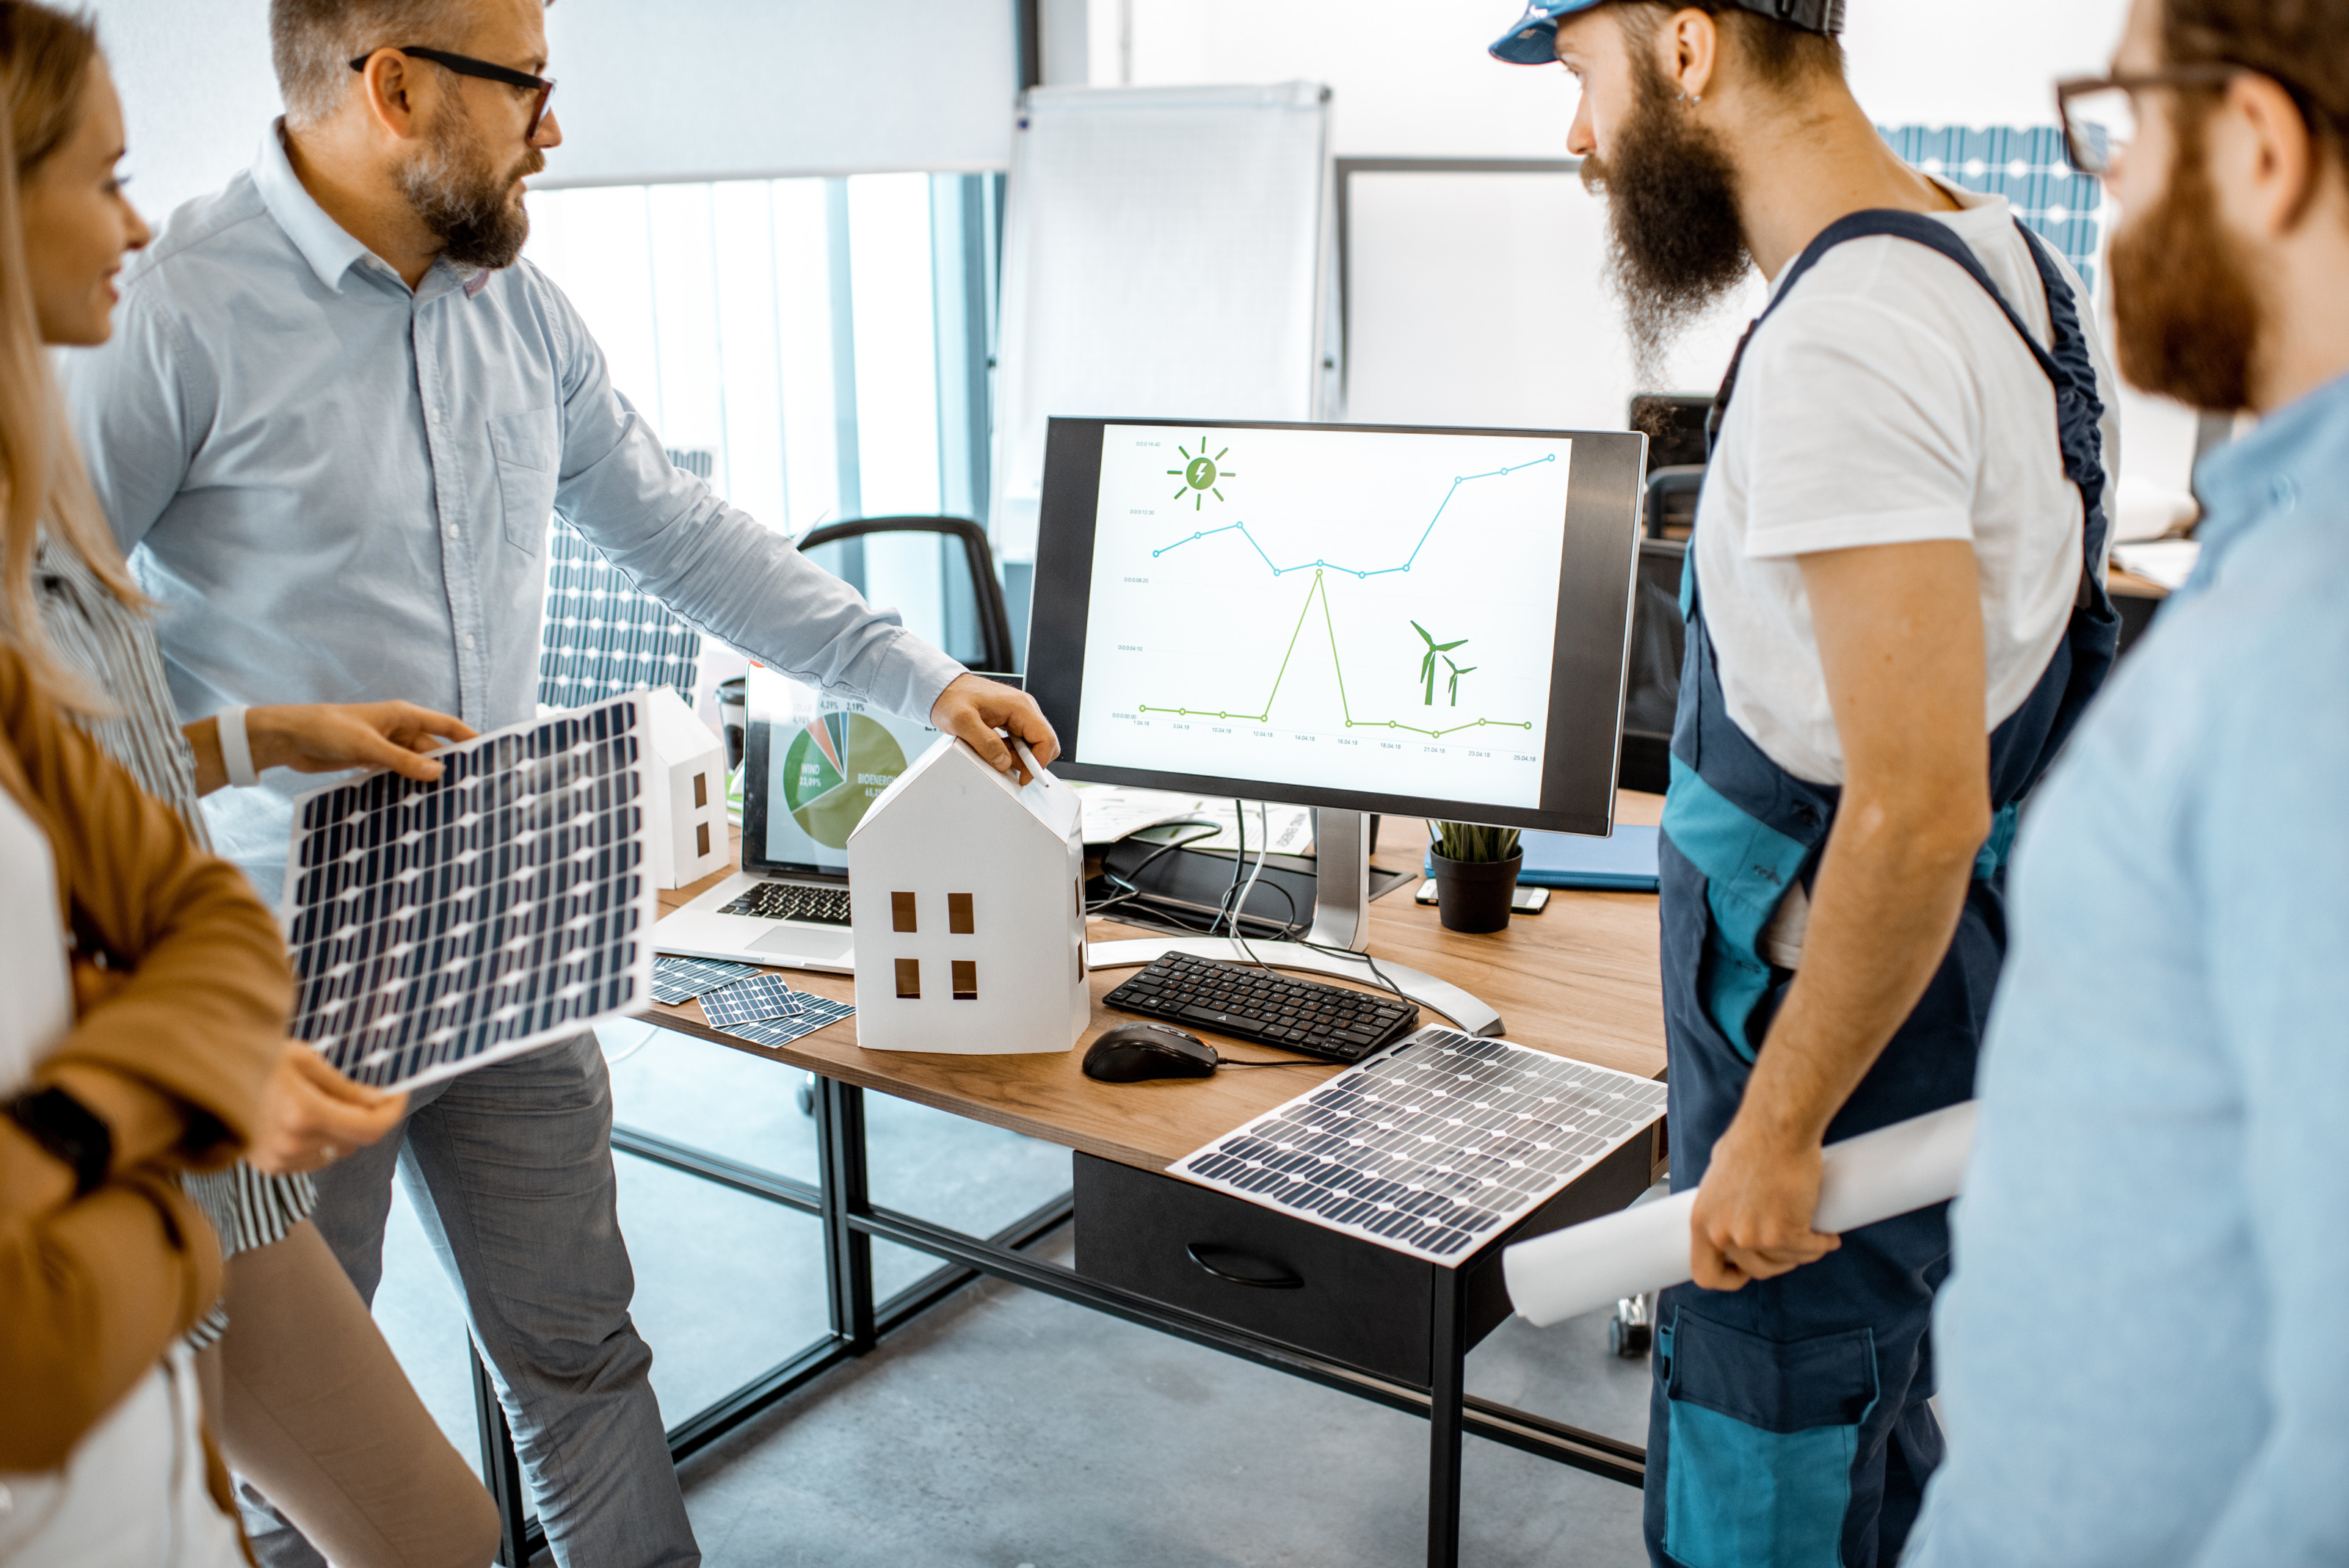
{"type": "Point", "coordinates": [1200, 475]}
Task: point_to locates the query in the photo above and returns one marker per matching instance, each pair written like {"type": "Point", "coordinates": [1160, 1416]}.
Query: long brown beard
{"type": "Point", "coordinates": [460, 198]}
{"type": "Point", "coordinates": [1674, 246]}
{"type": "Point", "coordinates": [2184, 314]}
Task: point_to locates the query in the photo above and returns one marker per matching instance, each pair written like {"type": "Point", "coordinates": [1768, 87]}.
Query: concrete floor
{"type": "Point", "coordinates": [1006, 1428]}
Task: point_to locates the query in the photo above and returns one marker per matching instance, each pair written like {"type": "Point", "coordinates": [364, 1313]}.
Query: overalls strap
{"type": "Point", "coordinates": [1750, 828]}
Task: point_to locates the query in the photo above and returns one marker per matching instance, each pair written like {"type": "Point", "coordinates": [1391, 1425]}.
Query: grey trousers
{"type": "Point", "coordinates": [509, 1168]}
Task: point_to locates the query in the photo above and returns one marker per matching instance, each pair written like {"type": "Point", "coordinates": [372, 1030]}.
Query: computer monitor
{"type": "Point", "coordinates": [1362, 618]}
{"type": "Point", "coordinates": [1422, 622]}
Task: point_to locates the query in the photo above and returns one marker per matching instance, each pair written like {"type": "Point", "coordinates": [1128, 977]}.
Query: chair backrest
{"type": "Point", "coordinates": [936, 572]}
{"type": "Point", "coordinates": [601, 636]}
{"type": "Point", "coordinates": [1652, 691]}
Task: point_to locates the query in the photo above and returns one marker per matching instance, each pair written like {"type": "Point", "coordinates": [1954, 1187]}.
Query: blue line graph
{"type": "Point", "coordinates": [1281, 571]}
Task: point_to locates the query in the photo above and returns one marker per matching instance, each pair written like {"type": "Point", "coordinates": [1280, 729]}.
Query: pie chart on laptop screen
{"type": "Point", "coordinates": [833, 769]}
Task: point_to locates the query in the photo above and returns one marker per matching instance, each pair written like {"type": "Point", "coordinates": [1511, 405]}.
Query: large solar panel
{"type": "Point", "coordinates": [601, 636]}
{"type": "Point", "coordinates": [2027, 165]}
{"type": "Point", "coordinates": [1435, 1148]}
{"type": "Point", "coordinates": [439, 927]}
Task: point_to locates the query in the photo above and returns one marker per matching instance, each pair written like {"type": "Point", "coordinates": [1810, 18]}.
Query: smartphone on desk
{"type": "Point", "coordinates": [1524, 901]}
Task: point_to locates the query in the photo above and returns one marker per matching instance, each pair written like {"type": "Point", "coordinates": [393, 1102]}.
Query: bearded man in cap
{"type": "Point", "coordinates": [1896, 613]}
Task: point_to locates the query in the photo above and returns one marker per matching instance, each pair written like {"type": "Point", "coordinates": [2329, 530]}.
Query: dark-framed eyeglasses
{"type": "Point", "coordinates": [466, 65]}
{"type": "Point", "coordinates": [2099, 113]}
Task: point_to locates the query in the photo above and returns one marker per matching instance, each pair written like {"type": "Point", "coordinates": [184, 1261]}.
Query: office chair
{"type": "Point", "coordinates": [1652, 690]}
{"type": "Point", "coordinates": [600, 636]}
{"type": "Point", "coordinates": [977, 629]}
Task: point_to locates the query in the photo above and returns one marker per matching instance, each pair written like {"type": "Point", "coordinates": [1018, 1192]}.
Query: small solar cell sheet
{"type": "Point", "coordinates": [601, 635]}
{"type": "Point", "coordinates": [1434, 1149]}
{"type": "Point", "coordinates": [815, 1012]}
{"type": "Point", "coordinates": [676, 980]}
{"type": "Point", "coordinates": [749, 1000]}
{"type": "Point", "coordinates": [436, 926]}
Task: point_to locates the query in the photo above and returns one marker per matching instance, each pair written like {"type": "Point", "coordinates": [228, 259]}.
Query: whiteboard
{"type": "Point", "coordinates": [1168, 253]}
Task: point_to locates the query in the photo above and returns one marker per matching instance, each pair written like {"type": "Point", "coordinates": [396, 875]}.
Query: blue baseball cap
{"type": "Point", "coordinates": [1534, 40]}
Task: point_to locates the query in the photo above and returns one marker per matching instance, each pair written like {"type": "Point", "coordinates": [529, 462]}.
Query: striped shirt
{"type": "Point", "coordinates": [112, 647]}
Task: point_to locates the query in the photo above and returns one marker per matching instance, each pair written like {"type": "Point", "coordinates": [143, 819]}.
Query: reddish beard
{"type": "Point", "coordinates": [2184, 313]}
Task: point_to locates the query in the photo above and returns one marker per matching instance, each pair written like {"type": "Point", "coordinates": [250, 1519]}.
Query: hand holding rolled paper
{"type": "Point", "coordinates": [1873, 1176]}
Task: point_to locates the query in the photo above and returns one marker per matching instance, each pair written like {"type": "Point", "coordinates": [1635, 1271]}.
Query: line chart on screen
{"type": "Point", "coordinates": [1352, 609]}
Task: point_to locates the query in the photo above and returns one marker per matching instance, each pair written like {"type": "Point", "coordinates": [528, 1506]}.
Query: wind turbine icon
{"type": "Point", "coordinates": [1457, 671]}
{"type": "Point", "coordinates": [1427, 665]}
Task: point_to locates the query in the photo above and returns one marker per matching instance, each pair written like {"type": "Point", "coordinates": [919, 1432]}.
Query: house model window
{"type": "Point", "coordinates": [901, 912]}
{"type": "Point", "coordinates": [958, 922]}
{"type": "Point", "coordinates": [965, 979]}
{"type": "Point", "coordinates": [909, 979]}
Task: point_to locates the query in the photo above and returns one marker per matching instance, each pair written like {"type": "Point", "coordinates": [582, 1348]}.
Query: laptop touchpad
{"type": "Point", "coordinates": [821, 944]}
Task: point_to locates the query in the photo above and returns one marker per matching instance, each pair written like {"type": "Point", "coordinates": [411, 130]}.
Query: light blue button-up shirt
{"type": "Point", "coordinates": [2144, 1349]}
{"type": "Point", "coordinates": [339, 490]}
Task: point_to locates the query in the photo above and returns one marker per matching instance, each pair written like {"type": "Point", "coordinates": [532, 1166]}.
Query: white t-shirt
{"type": "Point", "coordinates": [1886, 402]}
{"type": "Point", "coordinates": [39, 998]}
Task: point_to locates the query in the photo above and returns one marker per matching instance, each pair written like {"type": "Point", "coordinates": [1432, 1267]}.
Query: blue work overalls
{"type": "Point", "coordinates": [1787, 1424]}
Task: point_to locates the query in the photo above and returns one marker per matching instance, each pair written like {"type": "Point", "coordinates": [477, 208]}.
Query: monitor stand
{"type": "Point", "coordinates": [1341, 920]}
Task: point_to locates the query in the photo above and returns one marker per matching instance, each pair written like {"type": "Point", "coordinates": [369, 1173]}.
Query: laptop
{"type": "Point", "coordinates": [811, 765]}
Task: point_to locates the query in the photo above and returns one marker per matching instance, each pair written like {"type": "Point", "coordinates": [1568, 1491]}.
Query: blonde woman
{"type": "Point", "coordinates": [311, 1407]}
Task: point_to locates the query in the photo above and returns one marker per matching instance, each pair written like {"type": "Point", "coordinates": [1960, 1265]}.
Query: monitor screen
{"type": "Point", "coordinates": [811, 764]}
{"type": "Point", "coordinates": [1419, 621]}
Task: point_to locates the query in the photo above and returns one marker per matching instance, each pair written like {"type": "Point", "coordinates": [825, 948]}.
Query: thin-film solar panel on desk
{"type": "Point", "coordinates": [1435, 1148]}
{"type": "Point", "coordinates": [438, 927]}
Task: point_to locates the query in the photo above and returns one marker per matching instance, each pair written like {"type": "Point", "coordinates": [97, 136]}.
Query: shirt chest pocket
{"type": "Point", "coordinates": [528, 450]}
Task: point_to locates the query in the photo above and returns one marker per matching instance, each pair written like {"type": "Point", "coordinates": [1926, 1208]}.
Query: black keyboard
{"type": "Point", "coordinates": [1303, 1016]}
{"type": "Point", "coordinates": [792, 901]}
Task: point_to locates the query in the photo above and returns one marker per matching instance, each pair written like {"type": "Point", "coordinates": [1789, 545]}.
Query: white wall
{"type": "Point", "coordinates": [197, 91]}
{"type": "Point", "coordinates": [688, 89]}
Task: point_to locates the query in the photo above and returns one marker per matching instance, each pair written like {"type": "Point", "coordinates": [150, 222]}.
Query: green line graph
{"type": "Point", "coordinates": [1345, 705]}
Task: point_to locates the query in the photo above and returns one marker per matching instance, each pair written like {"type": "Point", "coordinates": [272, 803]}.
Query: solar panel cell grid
{"type": "Point", "coordinates": [2026, 164]}
{"type": "Point", "coordinates": [437, 927]}
{"type": "Point", "coordinates": [601, 636]}
{"type": "Point", "coordinates": [1434, 1149]}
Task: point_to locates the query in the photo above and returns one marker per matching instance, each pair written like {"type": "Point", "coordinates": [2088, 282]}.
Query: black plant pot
{"type": "Point", "coordinates": [1473, 894]}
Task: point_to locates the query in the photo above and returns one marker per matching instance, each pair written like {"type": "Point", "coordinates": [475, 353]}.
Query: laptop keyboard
{"type": "Point", "coordinates": [792, 901]}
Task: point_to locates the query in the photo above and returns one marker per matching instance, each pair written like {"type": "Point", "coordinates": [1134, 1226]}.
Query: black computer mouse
{"type": "Point", "coordinates": [1133, 1052]}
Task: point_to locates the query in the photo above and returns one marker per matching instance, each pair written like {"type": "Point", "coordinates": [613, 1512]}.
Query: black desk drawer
{"type": "Point", "coordinates": [1192, 1247]}
{"type": "Point", "coordinates": [1304, 1284]}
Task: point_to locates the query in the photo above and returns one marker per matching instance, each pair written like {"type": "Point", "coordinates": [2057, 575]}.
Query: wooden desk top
{"type": "Point", "coordinates": [1581, 978]}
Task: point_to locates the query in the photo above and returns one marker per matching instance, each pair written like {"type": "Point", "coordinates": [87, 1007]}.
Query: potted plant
{"type": "Point", "coordinates": [1475, 874]}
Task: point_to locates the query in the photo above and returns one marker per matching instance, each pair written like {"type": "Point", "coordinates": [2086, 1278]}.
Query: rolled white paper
{"type": "Point", "coordinates": [1863, 1180]}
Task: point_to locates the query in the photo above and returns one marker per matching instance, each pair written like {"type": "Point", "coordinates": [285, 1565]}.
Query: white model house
{"type": "Point", "coordinates": [970, 910]}
{"type": "Point", "coordinates": [684, 796]}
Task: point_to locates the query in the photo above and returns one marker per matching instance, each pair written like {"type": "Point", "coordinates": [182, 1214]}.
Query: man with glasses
{"type": "Point", "coordinates": [1896, 610]}
{"type": "Point", "coordinates": [336, 417]}
{"type": "Point", "coordinates": [2142, 1343]}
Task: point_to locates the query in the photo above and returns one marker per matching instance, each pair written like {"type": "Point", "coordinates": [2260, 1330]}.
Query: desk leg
{"type": "Point", "coordinates": [1448, 1355]}
{"type": "Point", "coordinates": [847, 1252]}
{"type": "Point", "coordinates": [500, 1466]}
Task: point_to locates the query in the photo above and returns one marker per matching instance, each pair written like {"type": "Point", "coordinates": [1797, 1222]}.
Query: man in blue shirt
{"type": "Point", "coordinates": [334, 421]}
{"type": "Point", "coordinates": [2142, 1348]}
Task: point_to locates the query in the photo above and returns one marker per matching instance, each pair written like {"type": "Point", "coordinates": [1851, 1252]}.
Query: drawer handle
{"type": "Point", "coordinates": [1272, 1282]}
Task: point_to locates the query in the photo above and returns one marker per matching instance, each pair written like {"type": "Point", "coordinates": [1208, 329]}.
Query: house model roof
{"type": "Point", "coordinates": [1051, 802]}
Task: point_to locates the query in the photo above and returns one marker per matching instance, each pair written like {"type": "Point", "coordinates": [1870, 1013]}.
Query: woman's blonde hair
{"type": "Point", "coordinates": [45, 60]}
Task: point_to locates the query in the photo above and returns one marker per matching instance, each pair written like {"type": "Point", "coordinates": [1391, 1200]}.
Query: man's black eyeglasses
{"type": "Point", "coordinates": [466, 65]}
{"type": "Point", "coordinates": [2099, 113]}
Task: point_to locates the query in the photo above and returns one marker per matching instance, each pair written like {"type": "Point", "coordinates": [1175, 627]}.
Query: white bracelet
{"type": "Point", "coordinates": [236, 750]}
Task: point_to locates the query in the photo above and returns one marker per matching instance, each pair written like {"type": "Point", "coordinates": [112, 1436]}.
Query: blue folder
{"type": "Point", "coordinates": [1625, 862]}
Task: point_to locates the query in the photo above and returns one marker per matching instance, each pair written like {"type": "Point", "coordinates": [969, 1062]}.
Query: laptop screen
{"type": "Point", "coordinates": [811, 764]}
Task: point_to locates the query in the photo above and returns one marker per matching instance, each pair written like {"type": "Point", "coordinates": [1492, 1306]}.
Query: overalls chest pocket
{"type": "Point", "coordinates": [528, 447]}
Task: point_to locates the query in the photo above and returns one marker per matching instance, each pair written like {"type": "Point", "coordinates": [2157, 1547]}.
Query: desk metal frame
{"type": "Point", "coordinates": [841, 1202]}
